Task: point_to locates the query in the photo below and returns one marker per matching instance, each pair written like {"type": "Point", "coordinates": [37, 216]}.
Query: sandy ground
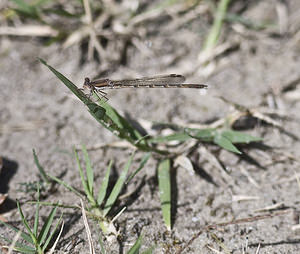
{"type": "Point", "coordinates": [260, 71]}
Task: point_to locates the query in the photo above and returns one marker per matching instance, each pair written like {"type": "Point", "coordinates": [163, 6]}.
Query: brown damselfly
{"type": "Point", "coordinates": [163, 81]}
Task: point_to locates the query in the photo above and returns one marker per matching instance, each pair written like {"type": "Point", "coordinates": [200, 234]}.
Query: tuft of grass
{"type": "Point", "coordinates": [35, 241]}
{"type": "Point", "coordinates": [98, 206]}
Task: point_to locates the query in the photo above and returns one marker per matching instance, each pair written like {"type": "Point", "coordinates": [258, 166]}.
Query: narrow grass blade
{"type": "Point", "coordinates": [89, 170]}
{"type": "Point", "coordinates": [27, 9]}
{"type": "Point", "coordinates": [101, 244]}
{"type": "Point", "coordinates": [19, 246]}
{"type": "Point", "coordinates": [121, 122]}
{"type": "Point", "coordinates": [225, 143]}
{"type": "Point", "coordinates": [164, 184]}
{"type": "Point", "coordinates": [26, 224]}
{"type": "Point", "coordinates": [50, 236]}
{"type": "Point", "coordinates": [25, 236]}
{"type": "Point", "coordinates": [46, 227]}
{"type": "Point", "coordinates": [71, 86]}
{"type": "Point", "coordinates": [135, 249]}
{"type": "Point", "coordinates": [213, 36]}
{"type": "Point", "coordinates": [37, 210]}
{"type": "Point", "coordinates": [24, 249]}
{"type": "Point", "coordinates": [205, 135]}
{"type": "Point", "coordinates": [173, 137]}
{"type": "Point", "coordinates": [55, 204]}
{"type": "Point", "coordinates": [103, 188]}
{"type": "Point", "coordinates": [142, 164]}
{"type": "Point", "coordinates": [67, 186]}
{"type": "Point", "coordinates": [117, 188]}
{"type": "Point", "coordinates": [239, 137]}
{"type": "Point", "coordinates": [83, 181]}
{"type": "Point", "coordinates": [40, 168]}
{"type": "Point", "coordinates": [56, 241]}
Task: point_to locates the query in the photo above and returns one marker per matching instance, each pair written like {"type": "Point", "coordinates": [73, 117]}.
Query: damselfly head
{"type": "Point", "coordinates": [87, 84]}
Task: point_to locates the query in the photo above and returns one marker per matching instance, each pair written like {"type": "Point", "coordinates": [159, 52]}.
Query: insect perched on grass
{"type": "Point", "coordinates": [163, 81]}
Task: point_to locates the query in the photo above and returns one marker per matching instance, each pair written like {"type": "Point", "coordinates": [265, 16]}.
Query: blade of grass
{"type": "Point", "coordinates": [239, 137]}
{"type": "Point", "coordinates": [25, 249]}
{"type": "Point", "coordinates": [40, 168]}
{"type": "Point", "coordinates": [37, 210]}
{"type": "Point", "coordinates": [89, 170]}
{"type": "Point", "coordinates": [225, 143]}
{"type": "Point", "coordinates": [181, 136]}
{"type": "Point", "coordinates": [117, 188]}
{"type": "Point", "coordinates": [120, 121]}
{"type": "Point", "coordinates": [142, 164]}
{"type": "Point", "coordinates": [56, 241]}
{"type": "Point", "coordinates": [67, 186]}
{"type": "Point", "coordinates": [136, 247]}
{"type": "Point", "coordinates": [103, 188]}
{"type": "Point", "coordinates": [25, 236]}
{"type": "Point", "coordinates": [19, 246]}
{"type": "Point", "coordinates": [46, 227]}
{"type": "Point", "coordinates": [49, 238]}
{"type": "Point", "coordinates": [72, 87]}
{"type": "Point", "coordinates": [26, 224]}
{"type": "Point", "coordinates": [205, 135]}
{"type": "Point", "coordinates": [101, 244]}
{"type": "Point", "coordinates": [26, 9]}
{"type": "Point", "coordinates": [164, 185]}
{"type": "Point", "coordinates": [83, 181]}
{"type": "Point", "coordinates": [213, 36]}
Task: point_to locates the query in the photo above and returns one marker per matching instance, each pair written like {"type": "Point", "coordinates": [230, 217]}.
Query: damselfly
{"type": "Point", "coordinates": [163, 81]}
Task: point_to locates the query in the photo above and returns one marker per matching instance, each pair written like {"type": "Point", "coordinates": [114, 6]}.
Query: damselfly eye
{"type": "Point", "coordinates": [86, 81]}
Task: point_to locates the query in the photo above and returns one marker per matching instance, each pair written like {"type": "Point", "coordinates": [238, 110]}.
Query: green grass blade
{"type": "Point", "coordinates": [40, 168]}
{"type": "Point", "coordinates": [225, 143]}
{"type": "Point", "coordinates": [45, 245]}
{"type": "Point", "coordinates": [72, 87]}
{"type": "Point", "coordinates": [205, 135]}
{"type": "Point", "coordinates": [25, 250]}
{"type": "Point", "coordinates": [37, 210]}
{"type": "Point", "coordinates": [164, 185]}
{"type": "Point", "coordinates": [25, 236]}
{"type": "Point", "coordinates": [142, 164]}
{"type": "Point", "coordinates": [103, 188]}
{"type": "Point", "coordinates": [136, 247]}
{"type": "Point", "coordinates": [55, 205]}
{"type": "Point", "coordinates": [181, 136]}
{"type": "Point", "coordinates": [46, 227]}
{"type": "Point", "coordinates": [26, 9]}
{"type": "Point", "coordinates": [120, 121]}
{"type": "Point", "coordinates": [67, 186]}
{"type": "Point", "coordinates": [117, 188]}
{"type": "Point", "coordinates": [83, 181]}
{"type": "Point", "coordinates": [213, 36]}
{"type": "Point", "coordinates": [89, 170]}
{"type": "Point", "coordinates": [20, 247]}
{"type": "Point", "coordinates": [239, 137]}
{"type": "Point", "coordinates": [26, 224]}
